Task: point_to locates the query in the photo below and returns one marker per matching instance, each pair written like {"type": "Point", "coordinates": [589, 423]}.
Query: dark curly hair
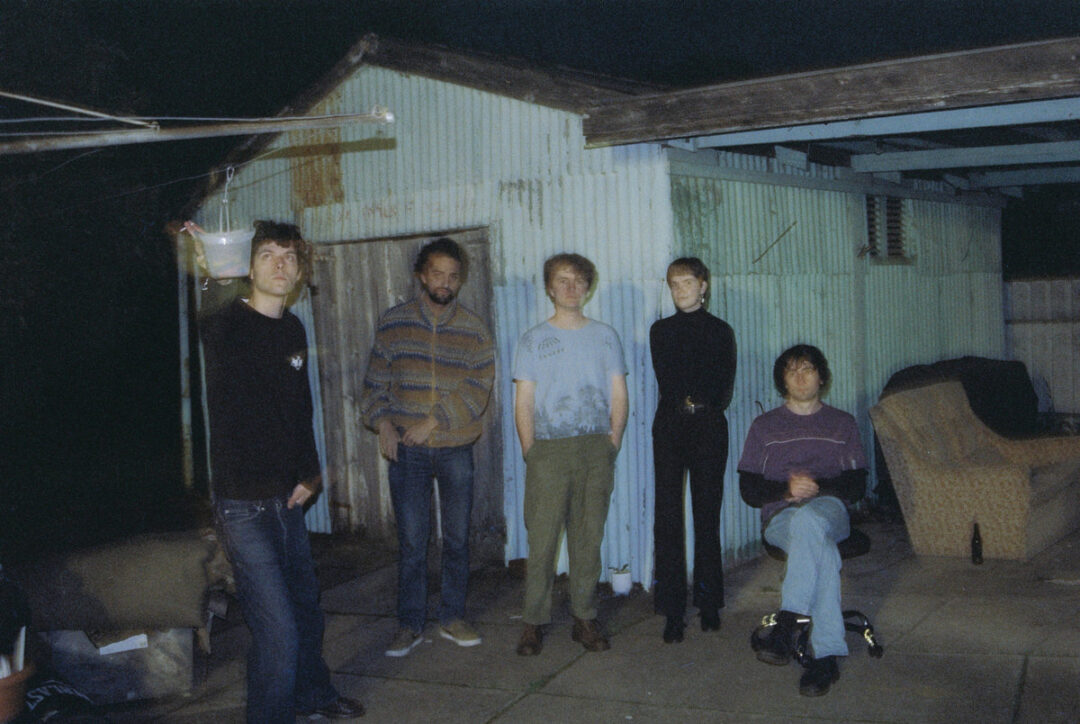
{"type": "Point", "coordinates": [799, 353]}
{"type": "Point", "coordinates": [286, 236]}
{"type": "Point", "coordinates": [443, 245]}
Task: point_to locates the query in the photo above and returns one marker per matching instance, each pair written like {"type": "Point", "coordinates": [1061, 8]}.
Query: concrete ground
{"type": "Point", "coordinates": [998, 642]}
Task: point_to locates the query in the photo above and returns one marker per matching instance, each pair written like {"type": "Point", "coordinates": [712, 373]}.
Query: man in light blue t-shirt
{"type": "Point", "coordinates": [570, 408]}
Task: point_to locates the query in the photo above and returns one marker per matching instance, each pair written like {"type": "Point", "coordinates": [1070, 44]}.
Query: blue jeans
{"type": "Point", "coordinates": [267, 544]}
{"type": "Point", "coordinates": [410, 491]}
{"type": "Point", "coordinates": [809, 534]}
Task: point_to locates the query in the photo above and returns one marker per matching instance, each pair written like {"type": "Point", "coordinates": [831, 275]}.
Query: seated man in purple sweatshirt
{"type": "Point", "coordinates": [803, 464]}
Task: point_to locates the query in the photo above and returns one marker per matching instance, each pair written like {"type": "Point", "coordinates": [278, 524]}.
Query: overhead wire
{"type": "Point", "coordinates": [221, 119]}
{"type": "Point", "coordinates": [170, 182]}
{"type": "Point", "coordinates": [196, 177]}
{"type": "Point", "coordinates": [54, 169]}
{"type": "Point", "coordinates": [76, 109]}
{"type": "Point", "coordinates": [151, 119]}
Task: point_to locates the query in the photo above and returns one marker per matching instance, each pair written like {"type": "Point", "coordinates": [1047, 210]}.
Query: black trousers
{"type": "Point", "coordinates": [698, 444]}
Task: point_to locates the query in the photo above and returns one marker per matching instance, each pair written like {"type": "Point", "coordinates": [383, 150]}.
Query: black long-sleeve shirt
{"type": "Point", "coordinates": [693, 354]}
{"type": "Point", "coordinates": [756, 490]}
{"type": "Point", "coordinates": [261, 438]}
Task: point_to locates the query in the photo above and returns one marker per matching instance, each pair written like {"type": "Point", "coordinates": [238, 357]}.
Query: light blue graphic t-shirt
{"type": "Point", "coordinates": [572, 369]}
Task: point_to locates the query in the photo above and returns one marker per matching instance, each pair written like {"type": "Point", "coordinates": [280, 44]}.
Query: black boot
{"type": "Point", "coordinates": [779, 645]}
{"type": "Point", "coordinates": [710, 619]}
{"type": "Point", "coordinates": [673, 629]}
{"type": "Point", "coordinates": [819, 676]}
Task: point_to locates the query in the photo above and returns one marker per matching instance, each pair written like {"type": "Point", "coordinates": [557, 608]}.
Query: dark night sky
{"type": "Point", "coordinates": [89, 382]}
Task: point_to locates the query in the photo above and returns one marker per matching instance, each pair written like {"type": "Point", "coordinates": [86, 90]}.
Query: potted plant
{"type": "Point", "coordinates": [621, 580]}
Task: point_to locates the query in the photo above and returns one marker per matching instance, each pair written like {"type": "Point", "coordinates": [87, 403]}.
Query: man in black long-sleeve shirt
{"type": "Point", "coordinates": [264, 468]}
{"type": "Point", "coordinates": [693, 355]}
{"type": "Point", "coordinates": [802, 464]}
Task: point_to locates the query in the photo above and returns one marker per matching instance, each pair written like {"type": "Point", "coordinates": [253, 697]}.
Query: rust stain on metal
{"type": "Point", "coordinates": [316, 176]}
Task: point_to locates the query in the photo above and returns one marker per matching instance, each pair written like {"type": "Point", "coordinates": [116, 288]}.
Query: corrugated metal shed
{"type": "Point", "coordinates": [783, 245]}
{"type": "Point", "coordinates": [460, 158]}
{"type": "Point", "coordinates": [1043, 321]}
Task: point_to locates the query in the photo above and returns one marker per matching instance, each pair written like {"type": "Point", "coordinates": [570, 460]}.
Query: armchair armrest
{"type": "Point", "coordinates": [1039, 451]}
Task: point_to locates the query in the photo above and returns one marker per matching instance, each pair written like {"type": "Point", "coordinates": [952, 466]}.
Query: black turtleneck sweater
{"type": "Point", "coordinates": [261, 439]}
{"type": "Point", "coordinates": [693, 354]}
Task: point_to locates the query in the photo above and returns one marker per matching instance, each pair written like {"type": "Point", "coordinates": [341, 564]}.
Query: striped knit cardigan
{"type": "Point", "coordinates": [424, 365]}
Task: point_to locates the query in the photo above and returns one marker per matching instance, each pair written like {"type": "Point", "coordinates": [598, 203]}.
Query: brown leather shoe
{"type": "Point", "coordinates": [587, 633]}
{"type": "Point", "coordinates": [531, 641]}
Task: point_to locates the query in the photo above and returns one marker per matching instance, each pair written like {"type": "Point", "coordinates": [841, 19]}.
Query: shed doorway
{"type": "Point", "coordinates": [355, 282]}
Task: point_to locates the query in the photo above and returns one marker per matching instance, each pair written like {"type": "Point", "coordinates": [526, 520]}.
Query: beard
{"type": "Point", "coordinates": [440, 296]}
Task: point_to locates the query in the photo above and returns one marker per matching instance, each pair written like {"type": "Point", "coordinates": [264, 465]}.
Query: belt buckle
{"type": "Point", "coordinates": [688, 406]}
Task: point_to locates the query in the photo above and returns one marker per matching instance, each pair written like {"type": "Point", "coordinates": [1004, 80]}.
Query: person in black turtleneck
{"type": "Point", "coordinates": [693, 355]}
{"type": "Point", "coordinates": [264, 468]}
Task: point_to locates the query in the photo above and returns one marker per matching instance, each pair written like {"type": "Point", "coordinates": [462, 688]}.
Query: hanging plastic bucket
{"type": "Point", "coordinates": [227, 253]}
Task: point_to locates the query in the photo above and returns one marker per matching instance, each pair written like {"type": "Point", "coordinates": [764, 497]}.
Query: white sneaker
{"type": "Point", "coordinates": [460, 633]}
{"type": "Point", "coordinates": [405, 641]}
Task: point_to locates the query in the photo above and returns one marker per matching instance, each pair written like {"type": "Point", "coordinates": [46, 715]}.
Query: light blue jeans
{"type": "Point", "coordinates": [808, 533]}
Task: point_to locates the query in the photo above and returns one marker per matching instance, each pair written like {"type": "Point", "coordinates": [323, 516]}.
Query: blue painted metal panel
{"type": "Point", "coordinates": [784, 260]}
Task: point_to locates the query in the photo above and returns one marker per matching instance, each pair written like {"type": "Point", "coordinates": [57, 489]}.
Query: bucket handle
{"type": "Point", "coordinates": [223, 213]}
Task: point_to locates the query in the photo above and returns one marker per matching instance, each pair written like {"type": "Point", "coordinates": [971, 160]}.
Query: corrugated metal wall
{"type": "Point", "coordinates": [786, 269]}
{"type": "Point", "coordinates": [947, 303]}
{"type": "Point", "coordinates": [1043, 323]}
{"type": "Point", "coordinates": [458, 158]}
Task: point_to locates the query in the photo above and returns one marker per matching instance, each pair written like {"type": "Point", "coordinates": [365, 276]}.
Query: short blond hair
{"type": "Point", "coordinates": [577, 262]}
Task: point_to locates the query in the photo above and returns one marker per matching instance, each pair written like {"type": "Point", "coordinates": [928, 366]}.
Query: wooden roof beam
{"type": "Point", "coordinates": [1010, 114]}
{"type": "Point", "coordinates": [562, 88]}
{"type": "Point", "coordinates": [1025, 72]}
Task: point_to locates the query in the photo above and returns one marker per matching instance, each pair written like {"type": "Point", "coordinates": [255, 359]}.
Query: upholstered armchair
{"type": "Point", "coordinates": [950, 471]}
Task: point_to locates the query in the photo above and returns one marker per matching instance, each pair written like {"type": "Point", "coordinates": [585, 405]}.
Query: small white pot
{"type": "Point", "coordinates": [621, 582]}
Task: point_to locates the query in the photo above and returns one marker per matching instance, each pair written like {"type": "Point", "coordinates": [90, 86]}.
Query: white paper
{"type": "Point", "coordinates": [138, 641]}
{"type": "Point", "coordinates": [20, 649]}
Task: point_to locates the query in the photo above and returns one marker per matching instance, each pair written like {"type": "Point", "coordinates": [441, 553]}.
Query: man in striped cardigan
{"type": "Point", "coordinates": [428, 382]}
